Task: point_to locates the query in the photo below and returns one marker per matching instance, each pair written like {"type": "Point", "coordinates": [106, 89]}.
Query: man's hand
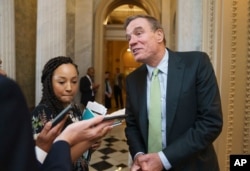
{"type": "Point", "coordinates": [147, 162]}
{"type": "Point", "coordinates": [91, 130]}
{"type": "Point", "coordinates": [95, 87]}
{"type": "Point", "coordinates": [136, 166]}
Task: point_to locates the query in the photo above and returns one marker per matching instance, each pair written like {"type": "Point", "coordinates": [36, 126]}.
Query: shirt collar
{"type": "Point", "coordinates": [162, 66]}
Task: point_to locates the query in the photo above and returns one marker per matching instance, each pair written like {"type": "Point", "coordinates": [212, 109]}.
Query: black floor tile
{"type": "Point", "coordinates": [111, 139]}
{"type": "Point", "coordinates": [107, 150]}
{"type": "Point", "coordinates": [123, 151]}
{"type": "Point", "coordinates": [105, 157]}
{"type": "Point", "coordinates": [103, 165]}
{"type": "Point", "coordinates": [113, 148]}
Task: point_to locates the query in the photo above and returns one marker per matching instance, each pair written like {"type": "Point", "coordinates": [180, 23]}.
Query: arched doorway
{"type": "Point", "coordinates": [101, 32]}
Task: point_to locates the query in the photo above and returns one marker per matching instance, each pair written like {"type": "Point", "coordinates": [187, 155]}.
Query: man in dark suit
{"type": "Point", "coordinates": [17, 150]}
{"type": "Point", "coordinates": [17, 147]}
{"type": "Point", "coordinates": [108, 91]}
{"type": "Point", "coordinates": [190, 106]}
{"type": "Point", "coordinates": [87, 87]}
{"type": "Point", "coordinates": [118, 86]}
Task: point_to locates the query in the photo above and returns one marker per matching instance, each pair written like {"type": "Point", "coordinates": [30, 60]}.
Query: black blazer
{"type": "Point", "coordinates": [17, 147]}
{"type": "Point", "coordinates": [194, 115]}
{"type": "Point", "coordinates": [86, 91]}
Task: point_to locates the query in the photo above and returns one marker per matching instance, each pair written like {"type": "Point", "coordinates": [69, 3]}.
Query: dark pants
{"type": "Point", "coordinates": [118, 96]}
{"type": "Point", "coordinates": [107, 102]}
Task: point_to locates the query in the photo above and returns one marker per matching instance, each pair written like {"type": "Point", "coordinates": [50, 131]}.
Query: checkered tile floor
{"type": "Point", "coordinates": [113, 154]}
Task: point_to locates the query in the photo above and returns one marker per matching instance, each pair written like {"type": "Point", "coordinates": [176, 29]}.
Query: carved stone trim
{"type": "Point", "coordinates": [246, 127]}
{"type": "Point", "coordinates": [211, 29]}
{"type": "Point", "coordinates": [232, 81]}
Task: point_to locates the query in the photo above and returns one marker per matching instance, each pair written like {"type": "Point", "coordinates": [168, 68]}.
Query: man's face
{"type": "Point", "coordinates": [91, 72]}
{"type": "Point", "coordinates": [143, 41]}
{"type": "Point", "coordinates": [106, 75]}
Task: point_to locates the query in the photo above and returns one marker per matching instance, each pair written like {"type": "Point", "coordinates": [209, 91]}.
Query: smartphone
{"type": "Point", "coordinates": [116, 123]}
{"type": "Point", "coordinates": [62, 114]}
{"type": "Point", "coordinates": [113, 117]}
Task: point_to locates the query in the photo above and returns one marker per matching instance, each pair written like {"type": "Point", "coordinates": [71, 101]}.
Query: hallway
{"type": "Point", "coordinates": [92, 33]}
{"type": "Point", "coordinates": [113, 153]}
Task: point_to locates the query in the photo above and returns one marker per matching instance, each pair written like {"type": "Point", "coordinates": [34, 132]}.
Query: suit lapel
{"type": "Point", "coordinates": [175, 77]}
{"type": "Point", "coordinates": [142, 98]}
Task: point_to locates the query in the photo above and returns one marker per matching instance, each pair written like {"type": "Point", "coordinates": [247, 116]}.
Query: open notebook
{"type": "Point", "coordinates": [93, 108]}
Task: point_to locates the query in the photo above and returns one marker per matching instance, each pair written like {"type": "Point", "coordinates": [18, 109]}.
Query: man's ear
{"type": "Point", "coordinates": [159, 35]}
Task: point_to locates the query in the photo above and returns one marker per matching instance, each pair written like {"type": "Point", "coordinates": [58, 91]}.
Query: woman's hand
{"type": "Point", "coordinates": [96, 145]}
{"type": "Point", "coordinates": [48, 134]}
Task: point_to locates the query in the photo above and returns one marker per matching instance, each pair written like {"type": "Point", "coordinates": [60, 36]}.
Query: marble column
{"type": "Point", "coordinates": [189, 25]}
{"type": "Point", "coordinates": [84, 37]}
{"type": "Point", "coordinates": [84, 34]}
{"type": "Point", "coordinates": [166, 21]}
{"type": "Point", "coordinates": [51, 35]}
{"type": "Point", "coordinates": [7, 37]}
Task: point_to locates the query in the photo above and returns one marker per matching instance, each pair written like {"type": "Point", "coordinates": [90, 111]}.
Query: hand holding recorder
{"type": "Point", "coordinates": [62, 114]}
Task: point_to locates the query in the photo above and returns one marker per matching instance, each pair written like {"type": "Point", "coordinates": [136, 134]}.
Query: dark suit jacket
{"type": "Point", "coordinates": [194, 116]}
{"type": "Point", "coordinates": [86, 91]}
{"type": "Point", "coordinates": [17, 147]}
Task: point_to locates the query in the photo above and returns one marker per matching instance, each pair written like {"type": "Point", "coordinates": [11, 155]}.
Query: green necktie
{"type": "Point", "coordinates": [154, 115]}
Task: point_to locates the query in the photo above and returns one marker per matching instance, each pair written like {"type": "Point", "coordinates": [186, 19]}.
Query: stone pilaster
{"type": "Point", "coordinates": [51, 35]}
{"type": "Point", "coordinates": [84, 36]}
{"type": "Point", "coordinates": [7, 37]}
{"type": "Point", "coordinates": [189, 25]}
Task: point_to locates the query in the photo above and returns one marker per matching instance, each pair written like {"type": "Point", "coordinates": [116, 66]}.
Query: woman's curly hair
{"type": "Point", "coordinates": [48, 96]}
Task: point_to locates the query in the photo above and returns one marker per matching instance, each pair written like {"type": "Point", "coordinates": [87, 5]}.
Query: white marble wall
{"type": "Point", "coordinates": [189, 25]}
{"type": "Point", "coordinates": [51, 35]}
{"type": "Point", "coordinates": [83, 36]}
{"type": "Point", "coordinates": [7, 37]}
{"type": "Point", "coordinates": [53, 39]}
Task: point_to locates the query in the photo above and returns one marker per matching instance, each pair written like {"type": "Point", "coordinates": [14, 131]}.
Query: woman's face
{"type": "Point", "coordinates": [65, 83]}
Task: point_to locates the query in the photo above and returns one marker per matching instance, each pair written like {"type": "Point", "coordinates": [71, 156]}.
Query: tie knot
{"type": "Point", "coordinates": [155, 72]}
